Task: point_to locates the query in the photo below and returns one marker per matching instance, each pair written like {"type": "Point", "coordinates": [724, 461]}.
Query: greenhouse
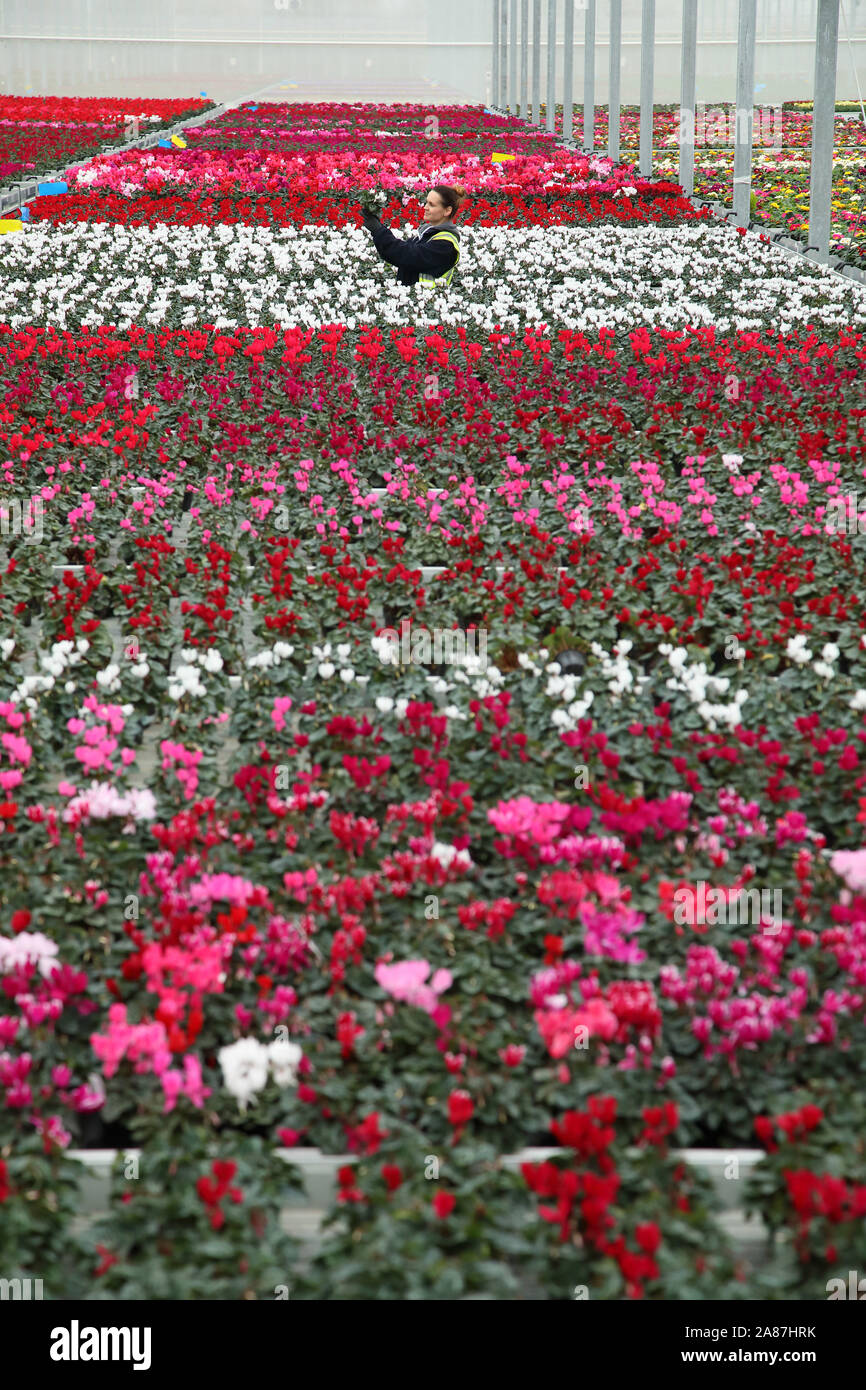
{"type": "Point", "coordinates": [433, 679]}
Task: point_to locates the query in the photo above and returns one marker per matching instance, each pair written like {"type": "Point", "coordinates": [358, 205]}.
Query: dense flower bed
{"type": "Point", "coordinates": [581, 277]}
{"type": "Point", "coordinates": [715, 125]}
{"type": "Point", "coordinates": [39, 133]}
{"type": "Point", "coordinates": [506, 206]}
{"type": "Point", "coordinates": [299, 165]}
{"type": "Point", "coordinates": [283, 147]}
{"type": "Point", "coordinates": [416, 910]}
{"type": "Point", "coordinates": [780, 185]}
{"type": "Point", "coordinates": [428, 728]}
{"type": "Point", "coordinates": [780, 163]}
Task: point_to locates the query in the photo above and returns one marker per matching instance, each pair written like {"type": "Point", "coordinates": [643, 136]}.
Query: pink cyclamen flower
{"type": "Point", "coordinates": [405, 980]}
{"type": "Point", "coordinates": [282, 705]}
{"type": "Point", "coordinates": [850, 864]}
{"type": "Point", "coordinates": [17, 747]}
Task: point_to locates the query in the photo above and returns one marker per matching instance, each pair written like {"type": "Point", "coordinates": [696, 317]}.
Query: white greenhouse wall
{"type": "Point", "coordinates": [399, 50]}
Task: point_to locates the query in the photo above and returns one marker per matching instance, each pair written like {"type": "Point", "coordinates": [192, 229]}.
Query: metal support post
{"type": "Point", "coordinates": [688, 66]}
{"type": "Point", "coordinates": [551, 65]}
{"type": "Point", "coordinates": [647, 75]}
{"type": "Point", "coordinates": [614, 75]}
{"type": "Point", "coordinates": [589, 79]}
{"type": "Point", "coordinates": [745, 113]}
{"type": "Point", "coordinates": [568, 73]}
{"type": "Point", "coordinates": [823, 116]}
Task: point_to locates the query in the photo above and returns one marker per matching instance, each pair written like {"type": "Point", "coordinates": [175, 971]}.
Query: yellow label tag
{"type": "Point", "coordinates": [498, 158]}
{"type": "Point", "coordinates": [176, 140]}
{"type": "Point", "coordinates": [10, 224]}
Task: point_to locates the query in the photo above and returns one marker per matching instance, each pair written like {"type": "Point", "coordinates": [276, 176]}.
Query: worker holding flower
{"type": "Point", "coordinates": [429, 257]}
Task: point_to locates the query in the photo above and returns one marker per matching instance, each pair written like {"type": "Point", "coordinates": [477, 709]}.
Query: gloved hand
{"type": "Point", "coordinates": [371, 222]}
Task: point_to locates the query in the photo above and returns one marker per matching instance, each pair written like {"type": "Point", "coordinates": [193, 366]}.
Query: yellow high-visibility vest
{"type": "Point", "coordinates": [442, 280]}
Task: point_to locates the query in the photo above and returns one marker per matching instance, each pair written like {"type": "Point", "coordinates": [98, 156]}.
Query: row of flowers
{"type": "Point", "coordinates": [770, 439]}
{"type": "Point", "coordinates": [615, 1215]}
{"type": "Point", "coordinates": [715, 125]}
{"type": "Point", "coordinates": [39, 133]}
{"type": "Point", "coordinates": [281, 147]}
{"type": "Point", "coordinates": [583, 278]}
{"type": "Point", "coordinates": [780, 164]}
{"type": "Point", "coordinates": [504, 206]}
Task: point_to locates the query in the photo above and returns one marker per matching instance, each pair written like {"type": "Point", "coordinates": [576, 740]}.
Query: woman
{"type": "Point", "coordinates": [430, 257]}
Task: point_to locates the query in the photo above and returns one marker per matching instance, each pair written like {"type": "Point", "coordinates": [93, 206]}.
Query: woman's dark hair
{"type": "Point", "coordinates": [450, 197]}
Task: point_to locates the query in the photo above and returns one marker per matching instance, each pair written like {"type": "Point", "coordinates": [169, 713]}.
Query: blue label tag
{"type": "Point", "coordinates": [47, 189]}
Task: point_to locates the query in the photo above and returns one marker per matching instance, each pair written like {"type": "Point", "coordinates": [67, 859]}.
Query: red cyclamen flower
{"type": "Point", "coordinates": [460, 1107]}
{"type": "Point", "coordinates": [443, 1204]}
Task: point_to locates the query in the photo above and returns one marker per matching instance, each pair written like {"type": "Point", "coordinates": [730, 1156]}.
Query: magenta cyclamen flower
{"type": "Point", "coordinates": [144, 1043]}
{"type": "Point", "coordinates": [606, 932]}
{"type": "Point", "coordinates": [232, 888]}
{"type": "Point", "coordinates": [540, 822]}
{"type": "Point", "coordinates": [185, 764]}
{"type": "Point", "coordinates": [282, 705]}
{"type": "Point", "coordinates": [17, 747]}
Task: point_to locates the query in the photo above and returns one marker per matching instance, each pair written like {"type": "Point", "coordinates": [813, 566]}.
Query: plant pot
{"type": "Point", "coordinates": [302, 1215]}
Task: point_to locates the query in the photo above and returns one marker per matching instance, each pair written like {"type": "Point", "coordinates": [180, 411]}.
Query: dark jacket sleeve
{"type": "Point", "coordinates": [429, 257]}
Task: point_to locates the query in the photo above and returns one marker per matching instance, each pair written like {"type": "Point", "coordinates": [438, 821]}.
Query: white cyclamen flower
{"type": "Point", "coordinates": [107, 679]}
{"type": "Point", "coordinates": [447, 855]}
{"type": "Point", "coordinates": [797, 650]}
{"type": "Point", "coordinates": [188, 678]}
{"type": "Point", "coordinates": [285, 1057]}
{"type": "Point", "coordinates": [212, 661]}
{"type": "Point", "coordinates": [245, 1068]}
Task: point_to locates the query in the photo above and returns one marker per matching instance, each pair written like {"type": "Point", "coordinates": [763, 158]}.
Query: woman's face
{"type": "Point", "coordinates": [434, 210]}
